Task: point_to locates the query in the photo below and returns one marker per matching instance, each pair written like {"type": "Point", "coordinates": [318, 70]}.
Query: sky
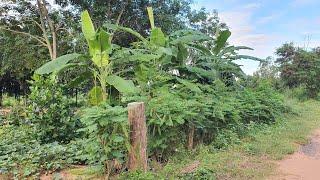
{"type": "Point", "coordinates": [265, 25]}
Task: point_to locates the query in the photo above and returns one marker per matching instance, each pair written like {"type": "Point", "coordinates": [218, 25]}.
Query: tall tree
{"type": "Point", "coordinates": [39, 21]}
{"type": "Point", "coordinates": [32, 32]}
{"type": "Point", "coordinates": [299, 66]}
{"type": "Point", "coordinates": [170, 16]}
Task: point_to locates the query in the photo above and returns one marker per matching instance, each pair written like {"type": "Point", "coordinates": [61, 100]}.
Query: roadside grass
{"type": "Point", "coordinates": [254, 157]}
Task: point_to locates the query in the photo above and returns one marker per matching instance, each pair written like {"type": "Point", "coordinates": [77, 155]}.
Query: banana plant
{"type": "Point", "coordinates": [216, 60]}
{"type": "Point", "coordinates": [100, 47]}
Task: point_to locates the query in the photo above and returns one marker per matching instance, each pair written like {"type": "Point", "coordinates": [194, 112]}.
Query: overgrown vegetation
{"type": "Point", "coordinates": [199, 103]}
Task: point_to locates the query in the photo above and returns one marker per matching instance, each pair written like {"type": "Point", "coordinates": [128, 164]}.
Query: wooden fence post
{"type": "Point", "coordinates": [138, 136]}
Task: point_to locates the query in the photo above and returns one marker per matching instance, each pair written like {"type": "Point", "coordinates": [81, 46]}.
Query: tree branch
{"type": "Point", "coordinates": [121, 12]}
{"type": "Point", "coordinates": [39, 39]}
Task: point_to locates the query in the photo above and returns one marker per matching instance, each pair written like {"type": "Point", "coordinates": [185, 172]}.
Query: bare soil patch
{"type": "Point", "coordinates": [68, 175]}
{"type": "Point", "coordinates": [302, 165]}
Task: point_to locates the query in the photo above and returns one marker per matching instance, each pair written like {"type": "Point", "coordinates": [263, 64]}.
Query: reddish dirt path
{"type": "Point", "coordinates": [302, 165]}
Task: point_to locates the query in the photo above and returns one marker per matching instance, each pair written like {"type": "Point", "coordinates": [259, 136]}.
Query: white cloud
{"type": "Point", "coordinates": [244, 33]}
{"type": "Point", "coordinates": [243, 30]}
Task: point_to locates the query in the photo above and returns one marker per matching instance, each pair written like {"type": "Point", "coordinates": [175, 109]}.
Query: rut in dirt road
{"type": "Point", "coordinates": [304, 164]}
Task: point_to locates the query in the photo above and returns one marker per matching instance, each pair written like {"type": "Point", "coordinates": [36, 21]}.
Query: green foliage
{"type": "Point", "coordinates": [8, 101]}
{"type": "Point", "coordinates": [202, 174]}
{"type": "Point", "coordinates": [22, 156]}
{"type": "Point", "coordinates": [50, 112]}
{"type": "Point", "coordinates": [225, 138]}
{"type": "Point", "coordinates": [299, 93]}
{"type": "Point", "coordinates": [222, 38]}
{"type": "Point", "coordinates": [300, 67]}
{"type": "Point", "coordinates": [100, 48]}
{"type": "Point", "coordinates": [57, 64]}
{"type": "Point", "coordinates": [137, 175]}
{"type": "Point", "coordinates": [188, 80]}
{"type": "Point", "coordinates": [108, 138]}
{"type": "Point", "coordinates": [95, 95]}
{"type": "Point", "coordinates": [16, 116]}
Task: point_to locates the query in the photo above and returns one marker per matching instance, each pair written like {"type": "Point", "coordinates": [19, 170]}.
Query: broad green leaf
{"type": "Point", "coordinates": [80, 79]}
{"type": "Point", "coordinates": [202, 72]}
{"type": "Point", "coordinates": [100, 59]}
{"type": "Point", "coordinates": [193, 87]}
{"type": "Point", "coordinates": [157, 37]}
{"type": "Point", "coordinates": [238, 57]}
{"type": "Point", "coordinates": [104, 39]}
{"type": "Point", "coordinates": [163, 50]}
{"type": "Point", "coordinates": [221, 41]}
{"type": "Point", "coordinates": [122, 85]}
{"type": "Point", "coordinates": [115, 27]}
{"type": "Point", "coordinates": [95, 95]}
{"type": "Point", "coordinates": [231, 49]}
{"type": "Point", "coordinates": [202, 48]}
{"type": "Point", "coordinates": [185, 32]}
{"type": "Point", "coordinates": [69, 65]}
{"type": "Point", "coordinates": [87, 26]}
{"type": "Point", "coordinates": [94, 46]}
{"type": "Point", "coordinates": [141, 72]}
{"type": "Point", "coordinates": [182, 54]}
{"type": "Point", "coordinates": [56, 64]}
{"type": "Point", "coordinates": [151, 19]}
{"type": "Point", "coordinates": [190, 38]}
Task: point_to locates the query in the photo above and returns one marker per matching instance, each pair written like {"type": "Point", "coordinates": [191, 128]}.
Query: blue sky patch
{"type": "Point", "coordinates": [266, 24]}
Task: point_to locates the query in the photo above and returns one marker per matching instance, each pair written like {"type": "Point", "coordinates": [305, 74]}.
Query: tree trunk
{"type": "Point", "coordinates": [138, 136]}
{"type": "Point", "coordinates": [23, 85]}
{"type": "Point", "coordinates": [1, 98]}
{"type": "Point", "coordinates": [43, 13]}
{"type": "Point", "coordinates": [52, 29]}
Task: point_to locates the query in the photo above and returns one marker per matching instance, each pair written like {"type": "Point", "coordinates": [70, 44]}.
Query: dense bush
{"type": "Point", "coordinates": [107, 137]}
{"type": "Point", "coordinates": [50, 112]}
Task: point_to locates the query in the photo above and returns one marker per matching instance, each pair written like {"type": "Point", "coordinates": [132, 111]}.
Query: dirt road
{"type": "Point", "coordinates": [302, 165]}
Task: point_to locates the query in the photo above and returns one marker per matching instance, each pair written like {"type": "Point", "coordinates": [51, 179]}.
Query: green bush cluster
{"type": "Point", "coordinates": [21, 155]}
{"type": "Point", "coordinates": [50, 112]}
{"type": "Point", "coordinates": [211, 114]}
{"type": "Point", "coordinates": [188, 81]}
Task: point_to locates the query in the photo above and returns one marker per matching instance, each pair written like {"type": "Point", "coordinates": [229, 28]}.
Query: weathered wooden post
{"type": "Point", "coordinates": [138, 136]}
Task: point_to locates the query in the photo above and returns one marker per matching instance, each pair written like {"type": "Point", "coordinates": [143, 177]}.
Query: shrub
{"type": "Point", "coordinates": [107, 133]}
{"type": "Point", "coordinates": [50, 112]}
